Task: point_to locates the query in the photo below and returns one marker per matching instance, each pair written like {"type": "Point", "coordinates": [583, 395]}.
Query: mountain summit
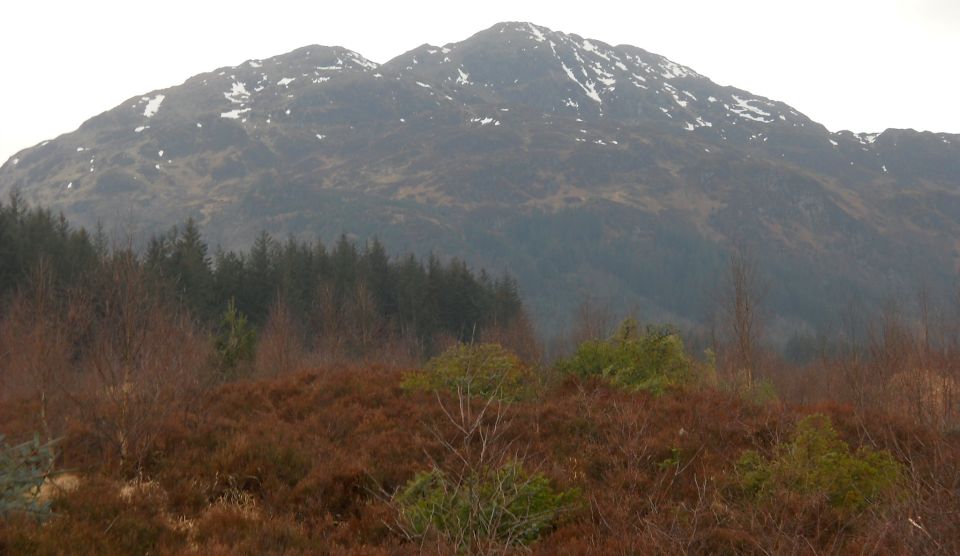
{"type": "Point", "coordinates": [581, 167]}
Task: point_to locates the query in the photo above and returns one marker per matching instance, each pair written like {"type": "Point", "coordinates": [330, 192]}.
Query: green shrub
{"type": "Point", "coordinates": [234, 343]}
{"type": "Point", "coordinates": [652, 361]}
{"type": "Point", "coordinates": [672, 461]}
{"type": "Point", "coordinates": [758, 391]}
{"type": "Point", "coordinates": [481, 370]}
{"type": "Point", "coordinates": [505, 505]}
{"type": "Point", "coordinates": [817, 462]}
{"type": "Point", "coordinates": [23, 469]}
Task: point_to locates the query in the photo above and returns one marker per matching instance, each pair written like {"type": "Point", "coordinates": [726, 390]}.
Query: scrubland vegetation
{"type": "Point", "coordinates": [355, 404]}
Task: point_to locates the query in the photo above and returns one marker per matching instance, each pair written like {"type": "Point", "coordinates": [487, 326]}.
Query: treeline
{"type": "Point", "coordinates": [347, 297]}
{"type": "Point", "coordinates": [331, 290]}
{"type": "Point", "coordinates": [325, 288]}
{"type": "Point", "coordinates": [28, 235]}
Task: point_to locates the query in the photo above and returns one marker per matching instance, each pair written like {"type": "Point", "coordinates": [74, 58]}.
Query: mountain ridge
{"type": "Point", "coordinates": [477, 148]}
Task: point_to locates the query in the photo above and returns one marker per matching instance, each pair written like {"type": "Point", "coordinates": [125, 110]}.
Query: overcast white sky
{"type": "Point", "coordinates": [863, 65]}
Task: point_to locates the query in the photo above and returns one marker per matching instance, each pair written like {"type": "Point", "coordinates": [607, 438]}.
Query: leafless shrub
{"type": "Point", "coordinates": [280, 348]}
{"type": "Point", "coordinates": [331, 341]}
{"type": "Point", "coordinates": [36, 349]}
{"type": "Point", "coordinates": [518, 336]}
{"type": "Point", "coordinates": [904, 365]}
{"type": "Point", "coordinates": [144, 363]}
{"type": "Point", "coordinates": [365, 325]}
{"type": "Point", "coordinates": [593, 321]}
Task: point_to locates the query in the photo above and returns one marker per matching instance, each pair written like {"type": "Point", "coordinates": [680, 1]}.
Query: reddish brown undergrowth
{"type": "Point", "coordinates": [305, 463]}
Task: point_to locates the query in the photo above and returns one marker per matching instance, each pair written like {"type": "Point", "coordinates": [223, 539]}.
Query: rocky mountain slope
{"type": "Point", "coordinates": [581, 167]}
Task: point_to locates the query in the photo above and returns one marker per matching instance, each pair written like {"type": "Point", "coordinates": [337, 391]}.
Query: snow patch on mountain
{"type": "Point", "coordinates": [485, 121]}
{"type": "Point", "coordinates": [238, 93]}
{"type": "Point", "coordinates": [337, 67]}
{"type": "Point", "coordinates": [361, 61]}
{"type": "Point", "coordinates": [675, 94]}
{"type": "Point", "coordinates": [590, 47]}
{"type": "Point", "coordinates": [745, 110]}
{"type": "Point", "coordinates": [589, 88]}
{"type": "Point", "coordinates": [234, 114]}
{"type": "Point", "coordinates": [672, 70]}
{"type": "Point", "coordinates": [536, 33]}
{"type": "Point", "coordinates": [153, 105]}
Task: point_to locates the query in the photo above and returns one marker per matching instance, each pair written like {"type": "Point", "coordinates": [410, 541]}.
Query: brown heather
{"type": "Point", "coordinates": [305, 463]}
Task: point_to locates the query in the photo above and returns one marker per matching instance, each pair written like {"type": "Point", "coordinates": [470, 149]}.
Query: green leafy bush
{"type": "Point", "coordinates": [758, 391]}
{"type": "Point", "coordinates": [481, 370]}
{"type": "Point", "coordinates": [652, 361]}
{"type": "Point", "coordinates": [235, 342]}
{"type": "Point", "coordinates": [23, 469]}
{"type": "Point", "coordinates": [817, 462]}
{"type": "Point", "coordinates": [505, 505]}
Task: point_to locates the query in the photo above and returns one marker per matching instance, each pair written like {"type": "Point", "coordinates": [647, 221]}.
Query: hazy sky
{"type": "Point", "coordinates": [864, 65]}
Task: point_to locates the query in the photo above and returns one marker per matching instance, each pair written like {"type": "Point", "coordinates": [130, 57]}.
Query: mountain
{"type": "Point", "coordinates": [580, 167]}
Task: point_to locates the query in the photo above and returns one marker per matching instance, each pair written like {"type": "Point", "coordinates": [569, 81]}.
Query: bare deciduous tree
{"type": "Point", "coordinates": [741, 318]}
{"type": "Point", "coordinates": [280, 349]}
{"type": "Point", "coordinates": [143, 362]}
{"type": "Point", "coordinates": [365, 322]}
{"type": "Point", "coordinates": [593, 321]}
{"type": "Point", "coordinates": [519, 336]}
{"type": "Point", "coordinates": [35, 348]}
